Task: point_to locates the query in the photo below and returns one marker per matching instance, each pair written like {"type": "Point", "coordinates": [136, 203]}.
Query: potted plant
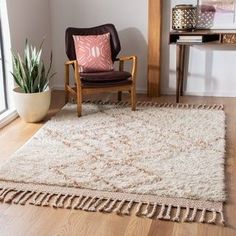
{"type": "Point", "coordinates": [33, 96]}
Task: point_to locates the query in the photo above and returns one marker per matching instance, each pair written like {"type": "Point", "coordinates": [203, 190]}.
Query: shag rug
{"type": "Point", "coordinates": [162, 161]}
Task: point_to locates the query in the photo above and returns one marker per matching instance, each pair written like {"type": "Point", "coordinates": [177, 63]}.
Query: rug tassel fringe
{"type": "Point", "coordinates": [94, 207]}
{"type": "Point", "coordinates": [128, 208]}
{"type": "Point", "coordinates": [4, 194]}
{"type": "Point", "coordinates": [103, 206]}
{"type": "Point", "coordinates": [56, 200]}
{"type": "Point", "coordinates": [153, 212]}
{"type": "Point", "coordinates": [24, 200]}
{"type": "Point", "coordinates": [47, 200]}
{"type": "Point", "coordinates": [193, 216]}
{"type": "Point", "coordinates": [138, 209]}
{"type": "Point", "coordinates": [62, 201]}
{"type": "Point", "coordinates": [168, 212]}
{"type": "Point", "coordinates": [70, 201]}
{"type": "Point", "coordinates": [118, 206]}
{"type": "Point", "coordinates": [35, 198]}
{"type": "Point", "coordinates": [83, 202]}
{"type": "Point", "coordinates": [177, 215]}
{"type": "Point", "coordinates": [40, 200]}
{"type": "Point", "coordinates": [2, 191]}
{"type": "Point", "coordinates": [111, 206]}
{"type": "Point", "coordinates": [213, 219]}
{"type": "Point", "coordinates": [77, 203]}
{"type": "Point", "coordinates": [160, 105]}
{"type": "Point", "coordinates": [222, 221]}
{"type": "Point", "coordinates": [21, 197]}
{"type": "Point", "coordinates": [12, 197]}
{"type": "Point", "coordinates": [202, 219]}
{"type": "Point", "coordinates": [185, 219]}
{"type": "Point", "coordinates": [89, 204]}
{"type": "Point", "coordinates": [161, 213]}
{"type": "Point", "coordinates": [145, 212]}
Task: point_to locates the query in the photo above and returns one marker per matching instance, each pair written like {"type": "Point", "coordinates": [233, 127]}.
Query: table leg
{"type": "Point", "coordinates": [182, 69]}
{"type": "Point", "coordinates": [179, 49]}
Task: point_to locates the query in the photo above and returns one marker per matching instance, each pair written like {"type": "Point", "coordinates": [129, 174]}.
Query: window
{"type": "Point", "coordinates": [3, 94]}
{"type": "Point", "coordinates": [7, 108]}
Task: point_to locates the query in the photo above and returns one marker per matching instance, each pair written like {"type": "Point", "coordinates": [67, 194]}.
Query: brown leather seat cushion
{"type": "Point", "coordinates": [104, 77]}
{"type": "Point", "coordinates": [106, 84]}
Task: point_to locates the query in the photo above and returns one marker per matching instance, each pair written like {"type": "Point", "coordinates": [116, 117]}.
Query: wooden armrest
{"type": "Point", "coordinates": [127, 58]}
{"type": "Point", "coordinates": [76, 72]}
{"type": "Point", "coordinates": [134, 66]}
{"type": "Point", "coordinates": [70, 62]}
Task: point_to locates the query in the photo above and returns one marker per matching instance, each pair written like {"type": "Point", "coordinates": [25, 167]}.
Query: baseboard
{"type": "Point", "coordinates": [201, 94]}
{"type": "Point", "coordinates": [171, 92]}
{"type": "Point", "coordinates": [7, 118]}
{"type": "Point", "coordinates": [141, 91]}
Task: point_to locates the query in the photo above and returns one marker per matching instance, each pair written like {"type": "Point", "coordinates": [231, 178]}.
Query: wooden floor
{"type": "Point", "coordinates": [31, 220]}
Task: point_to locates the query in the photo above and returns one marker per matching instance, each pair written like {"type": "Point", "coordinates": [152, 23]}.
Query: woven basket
{"type": "Point", "coordinates": [184, 17]}
{"type": "Point", "coordinates": [205, 17]}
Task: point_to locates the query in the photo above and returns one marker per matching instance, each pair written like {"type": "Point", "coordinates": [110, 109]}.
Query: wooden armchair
{"type": "Point", "coordinates": [111, 81]}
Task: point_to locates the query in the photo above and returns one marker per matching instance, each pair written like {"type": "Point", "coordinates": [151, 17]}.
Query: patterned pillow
{"type": "Point", "coordinates": [93, 53]}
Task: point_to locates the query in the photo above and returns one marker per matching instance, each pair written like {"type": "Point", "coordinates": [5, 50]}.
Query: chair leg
{"type": "Point", "coordinates": [79, 102]}
{"type": "Point", "coordinates": [119, 96]}
{"type": "Point", "coordinates": [66, 96]}
{"type": "Point", "coordinates": [66, 83]}
{"type": "Point", "coordinates": [133, 98]}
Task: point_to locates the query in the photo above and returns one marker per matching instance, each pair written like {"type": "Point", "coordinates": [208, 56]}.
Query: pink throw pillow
{"type": "Point", "coordinates": [93, 53]}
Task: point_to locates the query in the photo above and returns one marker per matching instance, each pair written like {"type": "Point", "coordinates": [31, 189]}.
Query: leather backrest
{"type": "Point", "coordinates": [102, 29]}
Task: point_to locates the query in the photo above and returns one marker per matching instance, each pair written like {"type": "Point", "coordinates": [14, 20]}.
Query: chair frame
{"type": "Point", "coordinates": [78, 91]}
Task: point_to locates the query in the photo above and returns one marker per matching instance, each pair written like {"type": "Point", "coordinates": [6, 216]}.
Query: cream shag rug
{"type": "Point", "coordinates": [164, 161]}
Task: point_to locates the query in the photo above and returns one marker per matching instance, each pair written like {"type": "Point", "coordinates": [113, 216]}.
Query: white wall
{"type": "Point", "coordinates": [20, 20]}
{"type": "Point", "coordinates": [29, 19]}
{"type": "Point", "coordinates": [211, 70]}
{"type": "Point", "coordinates": [129, 17]}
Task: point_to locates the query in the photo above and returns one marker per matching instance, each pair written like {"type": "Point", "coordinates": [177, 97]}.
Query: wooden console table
{"type": "Point", "coordinates": [211, 37]}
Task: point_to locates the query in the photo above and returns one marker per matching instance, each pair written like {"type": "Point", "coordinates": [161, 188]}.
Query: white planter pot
{"type": "Point", "coordinates": [32, 107]}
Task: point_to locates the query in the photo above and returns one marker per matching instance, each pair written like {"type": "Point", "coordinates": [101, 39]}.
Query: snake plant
{"type": "Point", "coordinates": [29, 72]}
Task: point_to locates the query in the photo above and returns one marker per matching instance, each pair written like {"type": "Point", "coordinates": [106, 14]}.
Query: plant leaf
{"type": "Point", "coordinates": [29, 72]}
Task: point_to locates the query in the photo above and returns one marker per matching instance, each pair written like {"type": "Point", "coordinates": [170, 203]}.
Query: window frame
{"type": "Point", "coordinates": [3, 69]}
{"type": "Point", "coordinates": [10, 114]}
